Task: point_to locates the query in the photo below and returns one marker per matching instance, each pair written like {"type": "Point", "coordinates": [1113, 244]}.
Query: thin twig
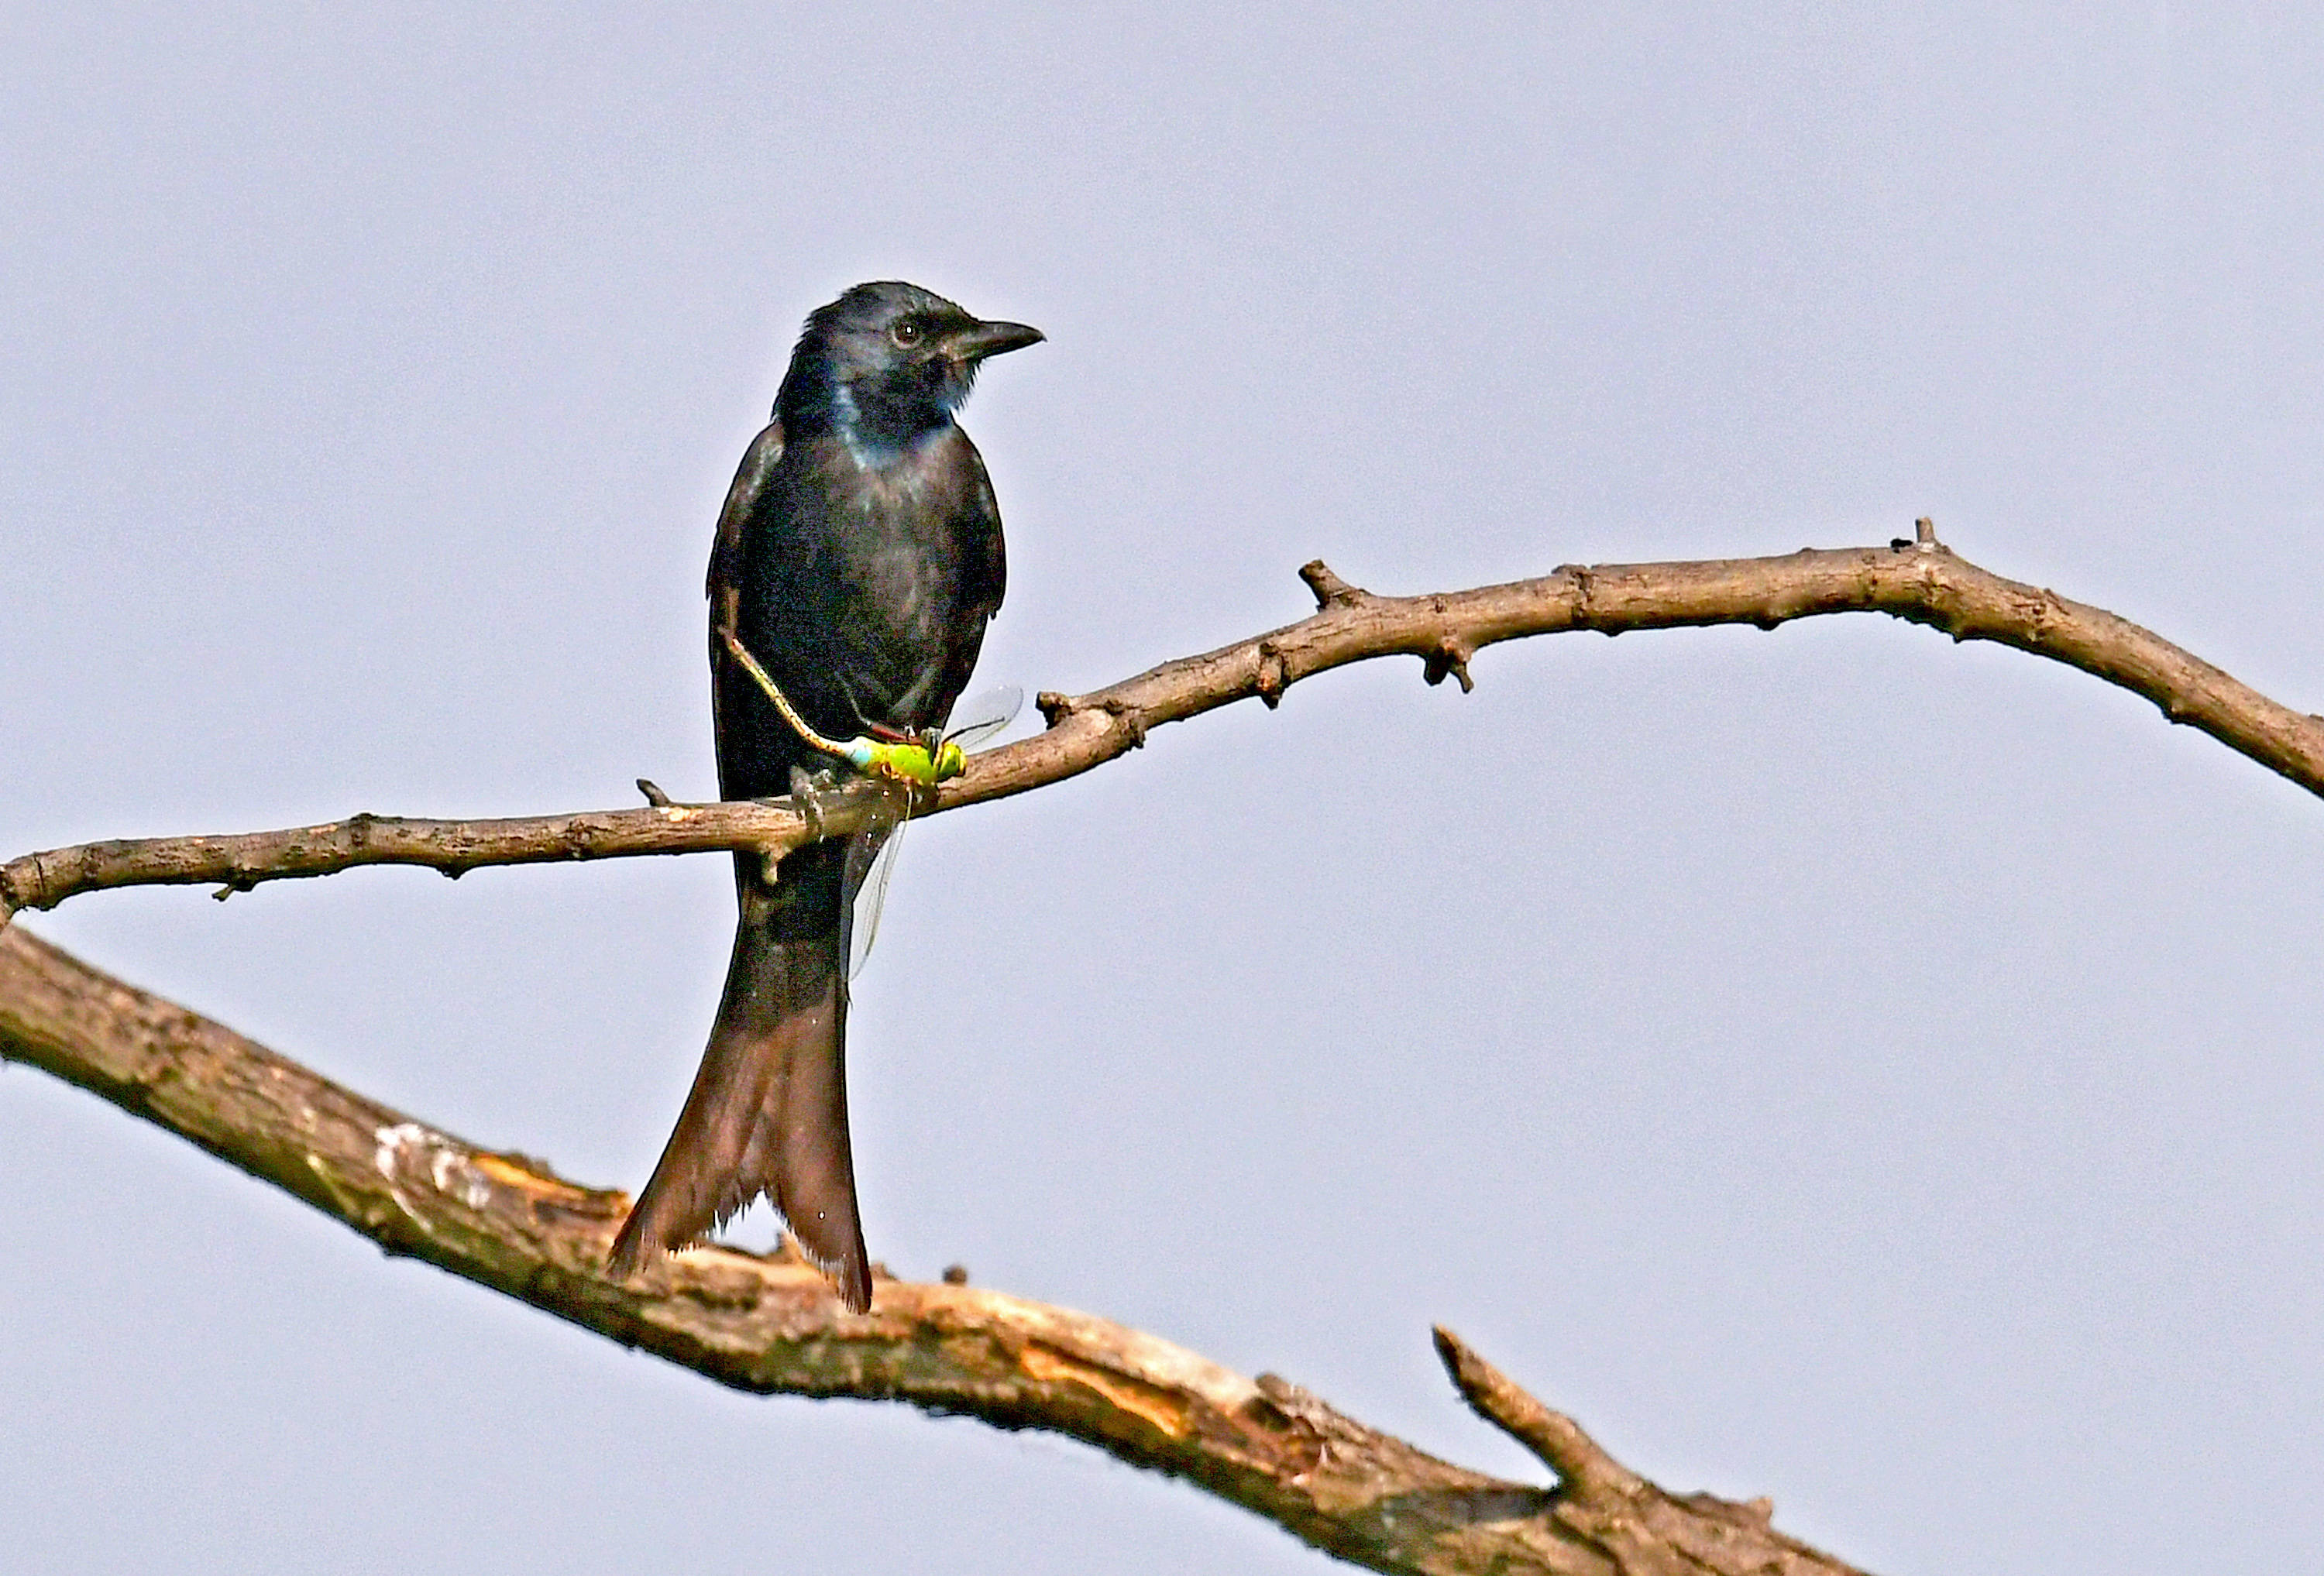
{"type": "Point", "coordinates": [1562, 1446]}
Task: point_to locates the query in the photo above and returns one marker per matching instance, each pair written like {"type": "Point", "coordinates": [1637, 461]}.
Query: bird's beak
{"type": "Point", "coordinates": [975, 343]}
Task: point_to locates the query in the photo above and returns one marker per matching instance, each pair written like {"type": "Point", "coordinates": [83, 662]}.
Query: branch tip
{"type": "Point", "coordinates": [1581, 1464]}
{"type": "Point", "coordinates": [652, 791]}
{"type": "Point", "coordinates": [1329, 590]}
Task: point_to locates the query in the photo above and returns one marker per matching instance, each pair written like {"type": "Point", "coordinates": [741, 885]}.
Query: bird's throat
{"type": "Point", "coordinates": [882, 433]}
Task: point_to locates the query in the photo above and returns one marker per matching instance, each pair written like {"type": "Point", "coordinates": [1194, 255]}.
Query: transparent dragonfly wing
{"type": "Point", "coordinates": [864, 922]}
{"type": "Point", "coordinates": [984, 716]}
{"type": "Point", "coordinates": [979, 717]}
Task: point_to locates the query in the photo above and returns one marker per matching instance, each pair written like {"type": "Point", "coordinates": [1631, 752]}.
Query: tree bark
{"type": "Point", "coordinates": [772, 1325]}
{"type": "Point", "coordinates": [1919, 580]}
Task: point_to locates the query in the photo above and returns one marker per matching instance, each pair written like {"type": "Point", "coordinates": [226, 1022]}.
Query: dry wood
{"type": "Point", "coordinates": [772, 1326]}
{"type": "Point", "coordinates": [1919, 580]}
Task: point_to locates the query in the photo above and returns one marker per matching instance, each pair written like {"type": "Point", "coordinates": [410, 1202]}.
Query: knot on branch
{"type": "Point", "coordinates": [1924, 539]}
{"type": "Point", "coordinates": [21, 883]}
{"type": "Point", "coordinates": [1132, 719]}
{"type": "Point", "coordinates": [1450, 657]}
{"type": "Point", "coordinates": [1584, 581]}
{"type": "Point", "coordinates": [1311, 1426]}
{"type": "Point", "coordinates": [1274, 675]}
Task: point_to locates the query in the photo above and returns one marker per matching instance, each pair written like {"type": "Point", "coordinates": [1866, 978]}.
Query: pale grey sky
{"type": "Point", "coordinates": [1833, 1064]}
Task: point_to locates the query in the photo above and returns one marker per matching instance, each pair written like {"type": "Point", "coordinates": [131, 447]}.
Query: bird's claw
{"type": "Point", "coordinates": [810, 794]}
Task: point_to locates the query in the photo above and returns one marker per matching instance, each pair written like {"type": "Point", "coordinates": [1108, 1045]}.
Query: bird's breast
{"type": "Point", "coordinates": [903, 545]}
{"type": "Point", "coordinates": [866, 580]}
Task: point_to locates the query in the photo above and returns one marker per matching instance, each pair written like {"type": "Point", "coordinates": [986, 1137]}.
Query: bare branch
{"type": "Point", "coordinates": [1916, 579]}
{"type": "Point", "coordinates": [1639, 1527]}
{"type": "Point", "coordinates": [1559, 1440]}
{"type": "Point", "coordinates": [772, 1325]}
{"type": "Point", "coordinates": [238, 863]}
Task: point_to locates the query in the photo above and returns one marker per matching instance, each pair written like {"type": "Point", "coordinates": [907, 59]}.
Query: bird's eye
{"type": "Point", "coordinates": [906, 332]}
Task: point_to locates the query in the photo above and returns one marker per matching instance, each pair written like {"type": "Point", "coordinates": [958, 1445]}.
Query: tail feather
{"type": "Point", "coordinates": [768, 1113]}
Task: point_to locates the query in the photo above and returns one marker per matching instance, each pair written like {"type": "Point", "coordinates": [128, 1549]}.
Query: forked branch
{"type": "Point", "coordinates": [1919, 580]}
{"type": "Point", "coordinates": [772, 1325]}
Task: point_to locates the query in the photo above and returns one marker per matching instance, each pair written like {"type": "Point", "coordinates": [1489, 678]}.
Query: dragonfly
{"type": "Point", "coordinates": [982, 716]}
{"type": "Point", "coordinates": [923, 762]}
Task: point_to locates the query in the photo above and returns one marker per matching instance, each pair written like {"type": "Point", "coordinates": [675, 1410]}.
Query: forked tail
{"type": "Point", "coordinates": [768, 1113]}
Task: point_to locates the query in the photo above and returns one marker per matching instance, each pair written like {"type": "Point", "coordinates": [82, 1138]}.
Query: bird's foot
{"type": "Point", "coordinates": [812, 795]}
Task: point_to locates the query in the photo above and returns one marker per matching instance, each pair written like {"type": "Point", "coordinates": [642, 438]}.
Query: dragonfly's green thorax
{"type": "Point", "coordinates": [908, 763]}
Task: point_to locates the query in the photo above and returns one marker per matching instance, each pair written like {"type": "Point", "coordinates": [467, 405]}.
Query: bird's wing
{"type": "Point", "coordinates": [990, 576]}
{"type": "Point", "coordinates": [984, 579]}
{"type": "Point", "coordinates": [723, 585]}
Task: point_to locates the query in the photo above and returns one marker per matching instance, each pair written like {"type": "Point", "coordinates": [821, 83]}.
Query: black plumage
{"type": "Point", "coordinates": [859, 557]}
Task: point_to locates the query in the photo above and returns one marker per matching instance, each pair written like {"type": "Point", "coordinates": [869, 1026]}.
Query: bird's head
{"type": "Point", "coordinates": [888, 362]}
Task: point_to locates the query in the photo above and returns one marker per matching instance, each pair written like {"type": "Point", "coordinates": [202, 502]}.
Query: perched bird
{"type": "Point", "coordinates": [858, 558]}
